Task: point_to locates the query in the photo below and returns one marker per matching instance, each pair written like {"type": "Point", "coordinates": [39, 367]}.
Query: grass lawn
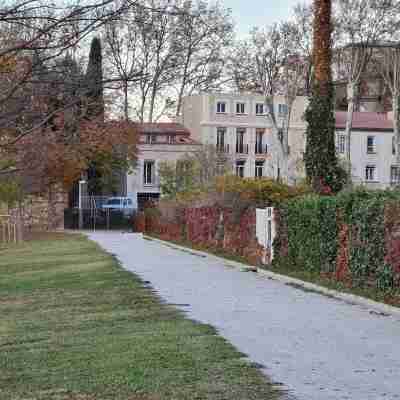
{"type": "Point", "coordinates": [75, 326]}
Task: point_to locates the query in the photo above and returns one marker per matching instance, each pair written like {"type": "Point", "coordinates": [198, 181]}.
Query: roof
{"type": "Point", "coordinates": [181, 133]}
{"type": "Point", "coordinates": [162, 128]}
{"type": "Point", "coordinates": [365, 121]}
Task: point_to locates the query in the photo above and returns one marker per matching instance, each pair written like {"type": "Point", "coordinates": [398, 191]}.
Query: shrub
{"type": "Point", "coordinates": [311, 233]}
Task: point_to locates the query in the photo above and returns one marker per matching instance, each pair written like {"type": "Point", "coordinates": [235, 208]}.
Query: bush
{"type": "Point", "coordinates": [311, 234]}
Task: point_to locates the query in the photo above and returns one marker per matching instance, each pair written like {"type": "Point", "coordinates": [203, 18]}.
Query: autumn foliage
{"type": "Point", "coordinates": [50, 158]}
{"type": "Point", "coordinates": [53, 133]}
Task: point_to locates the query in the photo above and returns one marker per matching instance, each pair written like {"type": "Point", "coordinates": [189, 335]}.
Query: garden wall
{"type": "Point", "coordinates": [214, 228]}
{"type": "Point", "coordinates": [353, 238]}
{"type": "Point", "coordinates": [42, 212]}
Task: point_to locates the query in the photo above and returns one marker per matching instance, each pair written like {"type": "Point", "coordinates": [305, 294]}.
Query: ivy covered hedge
{"type": "Point", "coordinates": [319, 234]}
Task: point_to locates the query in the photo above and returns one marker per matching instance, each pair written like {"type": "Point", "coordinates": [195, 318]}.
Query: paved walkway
{"type": "Point", "coordinates": [318, 347]}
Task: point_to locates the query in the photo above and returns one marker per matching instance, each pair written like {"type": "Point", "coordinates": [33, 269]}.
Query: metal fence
{"type": "Point", "coordinates": [8, 230]}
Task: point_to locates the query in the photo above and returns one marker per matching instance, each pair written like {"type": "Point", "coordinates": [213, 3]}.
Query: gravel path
{"type": "Point", "coordinates": [318, 347]}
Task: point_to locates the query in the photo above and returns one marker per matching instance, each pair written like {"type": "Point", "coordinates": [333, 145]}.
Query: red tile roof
{"type": "Point", "coordinates": [162, 128]}
{"type": "Point", "coordinates": [365, 121]}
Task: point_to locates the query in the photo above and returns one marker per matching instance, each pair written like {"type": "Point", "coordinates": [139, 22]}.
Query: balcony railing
{"type": "Point", "coordinates": [261, 148]}
{"type": "Point", "coordinates": [223, 148]}
{"type": "Point", "coordinates": [242, 148]}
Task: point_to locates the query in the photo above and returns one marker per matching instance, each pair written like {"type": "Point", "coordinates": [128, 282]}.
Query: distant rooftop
{"type": "Point", "coordinates": [162, 128]}
{"type": "Point", "coordinates": [181, 134]}
{"type": "Point", "coordinates": [365, 121]}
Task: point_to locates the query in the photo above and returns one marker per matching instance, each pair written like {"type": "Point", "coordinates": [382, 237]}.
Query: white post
{"type": "Point", "coordinates": [81, 182]}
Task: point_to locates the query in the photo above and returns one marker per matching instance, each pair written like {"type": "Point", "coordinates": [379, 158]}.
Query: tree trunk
{"type": "Point", "coordinates": [183, 86]}
{"type": "Point", "coordinates": [180, 98]}
{"type": "Point", "coordinates": [126, 103]}
{"type": "Point", "coordinates": [396, 123]}
{"type": "Point", "coordinates": [20, 222]}
{"type": "Point", "coordinates": [322, 44]}
{"type": "Point", "coordinates": [320, 158]}
{"type": "Point", "coordinates": [152, 102]}
{"type": "Point", "coordinates": [142, 106]}
{"type": "Point", "coordinates": [277, 146]}
{"type": "Point", "coordinates": [351, 93]}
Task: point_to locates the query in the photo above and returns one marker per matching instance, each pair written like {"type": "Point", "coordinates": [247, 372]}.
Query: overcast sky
{"type": "Point", "coordinates": [250, 13]}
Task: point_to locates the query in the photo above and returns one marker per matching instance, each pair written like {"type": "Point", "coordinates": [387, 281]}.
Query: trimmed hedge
{"type": "Point", "coordinates": [312, 233]}
{"type": "Point", "coordinates": [312, 227]}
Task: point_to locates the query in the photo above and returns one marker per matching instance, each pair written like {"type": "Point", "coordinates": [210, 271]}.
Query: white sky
{"type": "Point", "coordinates": [250, 13]}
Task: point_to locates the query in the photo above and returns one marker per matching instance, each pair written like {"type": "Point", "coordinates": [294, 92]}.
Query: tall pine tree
{"type": "Point", "coordinates": [322, 168]}
{"type": "Point", "coordinates": [94, 81]}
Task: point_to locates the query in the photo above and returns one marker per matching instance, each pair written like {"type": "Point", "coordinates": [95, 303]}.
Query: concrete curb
{"type": "Point", "coordinates": [374, 307]}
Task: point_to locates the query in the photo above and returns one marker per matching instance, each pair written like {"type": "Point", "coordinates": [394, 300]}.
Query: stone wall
{"type": "Point", "coordinates": [42, 212]}
{"type": "Point", "coordinates": [212, 228]}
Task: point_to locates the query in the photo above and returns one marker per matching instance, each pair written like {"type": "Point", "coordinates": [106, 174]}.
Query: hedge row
{"type": "Point", "coordinates": [311, 230]}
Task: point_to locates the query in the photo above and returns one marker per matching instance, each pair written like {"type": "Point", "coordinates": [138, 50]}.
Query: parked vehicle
{"type": "Point", "coordinates": [126, 205]}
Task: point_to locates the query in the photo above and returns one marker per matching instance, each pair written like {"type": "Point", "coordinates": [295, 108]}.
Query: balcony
{"type": "Point", "coordinates": [242, 148]}
{"type": "Point", "coordinates": [222, 149]}
{"type": "Point", "coordinates": [261, 149]}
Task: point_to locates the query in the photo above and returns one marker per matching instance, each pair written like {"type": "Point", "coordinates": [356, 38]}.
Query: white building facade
{"type": "Point", "coordinates": [157, 142]}
{"type": "Point", "coordinates": [373, 152]}
{"type": "Point", "coordinates": [237, 124]}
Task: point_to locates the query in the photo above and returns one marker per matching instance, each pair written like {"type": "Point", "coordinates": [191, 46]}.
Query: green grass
{"type": "Point", "coordinates": [367, 291]}
{"type": "Point", "coordinates": [75, 326]}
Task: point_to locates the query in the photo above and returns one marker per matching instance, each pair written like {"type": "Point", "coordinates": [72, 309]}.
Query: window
{"type": "Point", "coordinates": [341, 148]}
{"type": "Point", "coordinates": [282, 110]}
{"type": "Point", "coordinates": [221, 107]}
{"type": "Point", "coordinates": [259, 141]}
{"type": "Point", "coordinates": [239, 108]}
{"type": "Point", "coordinates": [395, 175]}
{"type": "Point", "coordinates": [393, 146]}
{"type": "Point", "coordinates": [171, 139]}
{"type": "Point", "coordinates": [280, 134]}
{"type": "Point", "coordinates": [148, 172]}
{"type": "Point", "coordinates": [259, 109]}
{"type": "Point", "coordinates": [259, 173]}
{"type": "Point", "coordinates": [221, 139]}
{"type": "Point", "coordinates": [371, 145]}
{"type": "Point", "coordinates": [150, 138]}
{"type": "Point", "coordinates": [240, 168]}
{"type": "Point", "coordinates": [240, 147]}
{"type": "Point", "coordinates": [370, 173]}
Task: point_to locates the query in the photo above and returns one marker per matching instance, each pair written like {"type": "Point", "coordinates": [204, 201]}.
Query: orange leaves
{"type": "Point", "coordinates": [8, 64]}
{"type": "Point", "coordinates": [58, 155]}
{"type": "Point", "coordinates": [322, 43]}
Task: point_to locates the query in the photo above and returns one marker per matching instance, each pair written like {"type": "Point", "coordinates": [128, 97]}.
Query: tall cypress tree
{"type": "Point", "coordinates": [94, 81]}
{"type": "Point", "coordinates": [322, 168]}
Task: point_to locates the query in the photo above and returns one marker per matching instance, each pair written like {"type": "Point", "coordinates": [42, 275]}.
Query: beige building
{"type": "Point", "coordinates": [157, 142]}
{"type": "Point", "coordinates": [373, 151]}
{"type": "Point", "coordinates": [237, 124]}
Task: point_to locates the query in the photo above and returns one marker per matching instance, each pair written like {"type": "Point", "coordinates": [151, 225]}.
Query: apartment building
{"type": "Point", "coordinates": [373, 150]}
{"type": "Point", "coordinates": [237, 125]}
{"type": "Point", "coordinates": [157, 142]}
